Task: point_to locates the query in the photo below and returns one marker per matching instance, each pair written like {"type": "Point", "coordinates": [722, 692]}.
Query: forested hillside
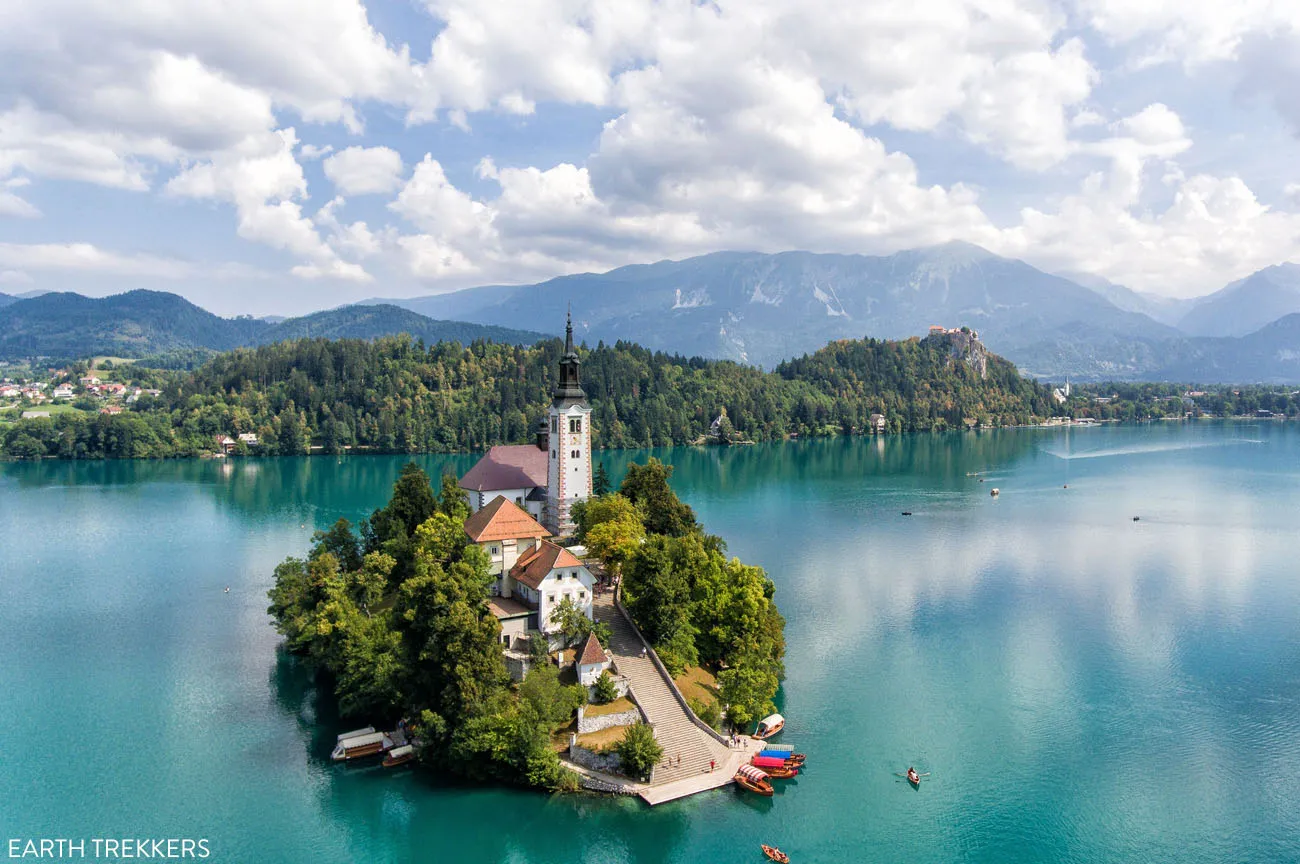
{"type": "Point", "coordinates": [395, 396]}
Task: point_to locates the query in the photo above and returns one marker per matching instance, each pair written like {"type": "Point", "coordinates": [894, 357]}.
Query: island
{"type": "Point", "coordinates": [527, 624]}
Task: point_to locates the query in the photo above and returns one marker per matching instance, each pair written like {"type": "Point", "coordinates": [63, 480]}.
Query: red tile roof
{"type": "Point", "coordinates": [508, 466]}
{"type": "Point", "coordinates": [592, 653]}
{"type": "Point", "coordinates": [502, 520]}
{"type": "Point", "coordinates": [533, 567]}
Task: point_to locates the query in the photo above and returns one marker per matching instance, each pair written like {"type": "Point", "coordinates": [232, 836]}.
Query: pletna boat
{"type": "Point", "coordinates": [769, 726]}
{"type": "Point", "coordinates": [751, 778]}
{"type": "Point", "coordinates": [775, 767]}
{"type": "Point", "coordinates": [787, 754]}
{"type": "Point", "coordinates": [358, 746]}
{"type": "Point", "coordinates": [775, 854]}
{"type": "Point", "coordinates": [399, 756]}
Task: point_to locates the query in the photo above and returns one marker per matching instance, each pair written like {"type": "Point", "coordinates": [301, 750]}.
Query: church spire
{"type": "Point", "coordinates": [568, 390]}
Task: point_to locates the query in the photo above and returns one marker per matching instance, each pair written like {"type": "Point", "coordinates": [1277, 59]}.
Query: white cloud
{"type": "Point", "coordinates": [14, 277]}
{"type": "Point", "coordinates": [88, 258]}
{"type": "Point", "coordinates": [364, 170]}
{"type": "Point", "coordinates": [311, 151]}
{"type": "Point", "coordinates": [12, 205]}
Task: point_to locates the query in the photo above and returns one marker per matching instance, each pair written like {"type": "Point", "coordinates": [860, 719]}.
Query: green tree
{"type": "Point", "coordinates": [339, 541]}
{"type": "Point", "coordinates": [600, 481]}
{"type": "Point", "coordinates": [639, 752]}
{"type": "Point", "coordinates": [747, 690]}
{"type": "Point", "coordinates": [571, 622]}
{"type": "Point", "coordinates": [605, 690]}
{"type": "Point", "coordinates": [451, 498]}
{"type": "Point", "coordinates": [546, 700]}
{"type": "Point", "coordinates": [657, 590]}
{"type": "Point", "coordinates": [647, 487]}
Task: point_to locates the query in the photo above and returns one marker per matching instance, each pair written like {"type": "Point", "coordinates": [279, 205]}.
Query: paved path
{"type": "Point", "coordinates": [673, 728]}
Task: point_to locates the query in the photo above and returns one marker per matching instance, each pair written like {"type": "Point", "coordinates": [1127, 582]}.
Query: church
{"type": "Point", "coordinates": [546, 478]}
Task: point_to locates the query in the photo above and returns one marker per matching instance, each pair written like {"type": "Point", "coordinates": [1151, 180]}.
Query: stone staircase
{"type": "Point", "coordinates": [674, 730]}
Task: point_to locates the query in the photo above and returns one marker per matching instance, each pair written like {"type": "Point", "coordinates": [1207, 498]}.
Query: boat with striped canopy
{"type": "Point", "coordinates": [751, 778]}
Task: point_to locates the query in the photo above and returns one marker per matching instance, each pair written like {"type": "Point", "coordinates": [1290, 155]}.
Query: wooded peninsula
{"type": "Point", "coordinates": [396, 395]}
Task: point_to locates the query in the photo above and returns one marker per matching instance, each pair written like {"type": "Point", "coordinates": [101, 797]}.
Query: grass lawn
{"type": "Point", "coordinates": [618, 706]}
{"type": "Point", "coordinates": [591, 740]}
{"type": "Point", "coordinates": [697, 683]}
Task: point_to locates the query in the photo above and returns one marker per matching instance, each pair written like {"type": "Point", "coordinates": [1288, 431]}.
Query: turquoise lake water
{"type": "Point", "coordinates": [1082, 687]}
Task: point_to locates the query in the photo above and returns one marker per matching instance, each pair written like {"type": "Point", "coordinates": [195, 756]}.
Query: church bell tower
{"type": "Point", "coordinates": [568, 470]}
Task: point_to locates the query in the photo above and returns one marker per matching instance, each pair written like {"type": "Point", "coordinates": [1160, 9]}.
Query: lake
{"type": "Point", "coordinates": [1080, 686]}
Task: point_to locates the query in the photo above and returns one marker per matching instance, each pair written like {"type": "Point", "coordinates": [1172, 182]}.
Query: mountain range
{"type": "Point", "coordinates": [139, 323]}
{"type": "Point", "coordinates": [761, 309]}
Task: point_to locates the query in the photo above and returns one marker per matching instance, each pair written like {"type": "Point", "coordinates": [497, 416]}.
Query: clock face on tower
{"type": "Point", "coordinates": [573, 439]}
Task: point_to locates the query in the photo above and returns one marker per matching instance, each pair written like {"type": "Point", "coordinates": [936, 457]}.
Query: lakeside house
{"type": "Point", "coordinates": [876, 423]}
{"type": "Point", "coordinates": [248, 438]}
{"type": "Point", "coordinates": [225, 444]}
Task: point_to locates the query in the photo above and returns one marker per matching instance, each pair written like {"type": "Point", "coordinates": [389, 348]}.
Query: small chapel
{"type": "Point", "coordinates": [546, 478]}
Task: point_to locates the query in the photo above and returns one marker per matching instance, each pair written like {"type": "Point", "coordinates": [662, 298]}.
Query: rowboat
{"type": "Point", "coordinates": [749, 777]}
{"type": "Point", "coordinates": [769, 726]}
{"type": "Point", "coordinates": [399, 756]}
{"type": "Point", "coordinates": [913, 777]}
{"type": "Point", "coordinates": [775, 854]}
{"type": "Point", "coordinates": [358, 746]}
{"type": "Point", "coordinates": [787, 754]}
{"type": "Point", "coordinates": [776, 768]}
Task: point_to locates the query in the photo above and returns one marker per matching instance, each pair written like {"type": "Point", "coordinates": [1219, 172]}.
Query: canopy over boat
{"type": "Point", "coordinates": [781, 754]}
{"type": "Point", "coordinates": [768, 761]}
{"type": "Point", "coordinates": [367, 740]}
{"type": "Point", "coordinates": [751, 773]}
{"type": "Point", "coordinates": [769, 723]}
{"type": "Point", "coordinates": [354, 733]}
{"type": "Point", "coordinates": [778, 748]}
{"type": "Point", "coordinates": [400, 752]}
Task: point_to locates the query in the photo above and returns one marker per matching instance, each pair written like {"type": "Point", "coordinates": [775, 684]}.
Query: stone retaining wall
{"type": "Point", "coordinates": [606, 763]}
{"type": "Point", "coordinates": [605, 721]}
{"type": "Point", "coordinates": [595, 785]}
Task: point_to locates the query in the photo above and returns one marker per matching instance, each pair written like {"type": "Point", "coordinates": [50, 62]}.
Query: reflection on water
{"type": "Point", "coordinates": [1034, 651]}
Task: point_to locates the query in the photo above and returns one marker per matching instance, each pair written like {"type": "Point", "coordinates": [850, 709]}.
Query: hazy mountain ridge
{"type": "Point", "coordinates": [140, 323]}
{"type": "Point", "coordinates": [762, 308]}
{"type": "Point", "coordinates": [1247, 305]}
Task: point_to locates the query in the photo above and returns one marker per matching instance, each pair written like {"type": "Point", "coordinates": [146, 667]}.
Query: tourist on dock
{"type": "Point", "coordinates": [712, 764]}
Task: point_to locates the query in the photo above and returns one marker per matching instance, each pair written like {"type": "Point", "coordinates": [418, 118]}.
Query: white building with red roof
{"type": "Point", "coordinates": [545, 577]}
{"type": "Point", "coordinates": [592, 660]}
{"type": "Point", "coordinates": [506, 533]}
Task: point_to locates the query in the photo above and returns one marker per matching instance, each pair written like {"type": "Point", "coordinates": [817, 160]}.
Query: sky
{"type": "Point", "coordinates": [281, 156]}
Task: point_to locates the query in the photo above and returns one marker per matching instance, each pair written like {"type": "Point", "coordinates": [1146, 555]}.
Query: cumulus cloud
{"type": "Point", "coordinates": [364, 170]}
{"type": "Point", "coordinates": [88, 258]}
{"type": "Point", "coordinates": [764, 124]}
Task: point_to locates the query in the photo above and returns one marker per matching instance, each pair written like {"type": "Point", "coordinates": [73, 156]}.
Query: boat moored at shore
{"type": "Point", "coordinates": [360, 746]}
{"type": "Point", "coordinates": [769, 726]}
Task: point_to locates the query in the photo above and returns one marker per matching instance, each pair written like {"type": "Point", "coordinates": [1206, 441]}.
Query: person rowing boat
{"type": "Point", "coordinates": [775, 854]}
{"type": "Point", "coordinates": [913, 777]}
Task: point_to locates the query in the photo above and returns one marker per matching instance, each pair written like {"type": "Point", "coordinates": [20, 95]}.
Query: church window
{"type": "Point", "coordinates": [574, 454]}
{"type": "Point", "coordinates": [575, 425]}
{"type": "Point", "coordinates": [555, 424]}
